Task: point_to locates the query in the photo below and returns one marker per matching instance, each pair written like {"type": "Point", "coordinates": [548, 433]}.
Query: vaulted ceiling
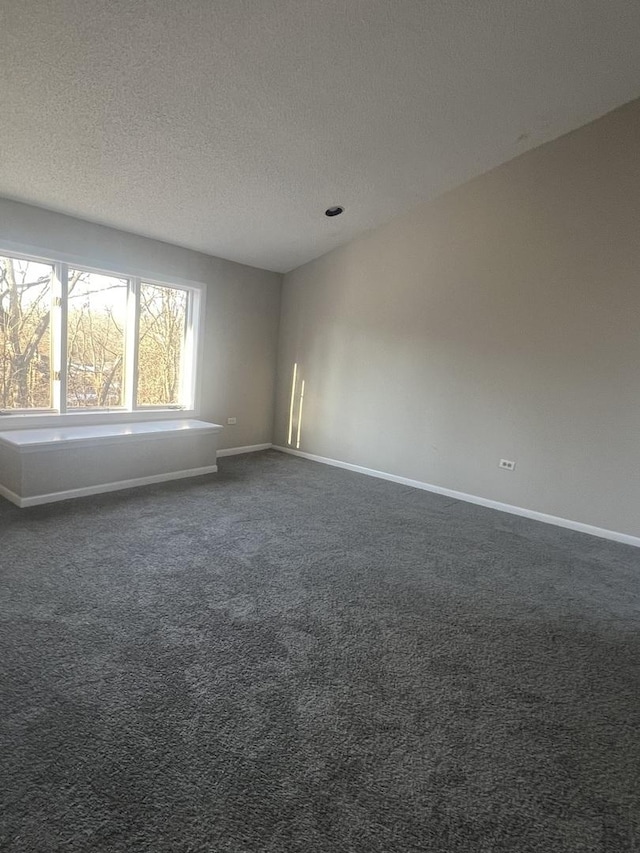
{"type": "Point", "coordinates": [228, 126]}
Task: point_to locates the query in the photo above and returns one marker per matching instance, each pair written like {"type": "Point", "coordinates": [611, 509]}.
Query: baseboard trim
{"type": "Point", "coordinates": [601, 532]}
{"type": "Point", "coordinates": [9, 495]}
{"type": "Point", "coordinates": [250, 448]}
{"type": "Point", "coordinates": [84, 491]}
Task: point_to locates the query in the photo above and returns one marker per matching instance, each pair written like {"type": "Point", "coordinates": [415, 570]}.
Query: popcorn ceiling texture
{"type": "Point", "coordinates": [290, 658]}
{"type": "Point", "coordinates": [229, 127]}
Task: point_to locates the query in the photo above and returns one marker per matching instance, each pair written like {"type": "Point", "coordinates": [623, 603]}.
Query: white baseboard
{"type": "Point", "coordinates": [9, 495]}
{"type": "Point", "coordinates": [84, 491]}
{"type": "Point", "coordinates": [602, 532]}
{"type": "Point", "coordinates": [250, 448]}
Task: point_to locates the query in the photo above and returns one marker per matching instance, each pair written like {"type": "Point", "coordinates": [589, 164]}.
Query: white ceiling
{"type": "Point", "coordinates": [229, 126]}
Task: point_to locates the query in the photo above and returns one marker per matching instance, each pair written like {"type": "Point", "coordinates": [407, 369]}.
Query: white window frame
{"type": "Point", "coordinates": [131, 411]}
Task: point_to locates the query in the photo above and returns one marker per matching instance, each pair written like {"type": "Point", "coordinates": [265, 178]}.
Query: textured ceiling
{"type": "Point", "coordinates": [229, 125]}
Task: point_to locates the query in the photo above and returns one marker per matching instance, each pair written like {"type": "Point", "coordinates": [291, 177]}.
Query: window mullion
{"type": "Point", "coordinates": [59, 337]}
{"type": "Point", "coordinates": [64, 327]}
{"type": "Point", "coordinates": [131, 345]}
{"type": "Point", "coordinates": [189, 349]}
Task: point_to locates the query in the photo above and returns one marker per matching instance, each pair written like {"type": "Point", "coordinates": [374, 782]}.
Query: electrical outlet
{"type": "Point", "coordinates": [231, 421]}
{"type": "Point", "coordinates": [507, 465]}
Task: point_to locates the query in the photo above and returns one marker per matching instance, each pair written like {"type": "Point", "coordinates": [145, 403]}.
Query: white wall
{"type": "Point", "coordinates": [502, 320]}
{"type": "Point", "coordinates": [242, 314]}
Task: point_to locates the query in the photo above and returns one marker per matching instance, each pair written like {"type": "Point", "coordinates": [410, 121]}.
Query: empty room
{"type": "Point", "coordinates": [319, 426]}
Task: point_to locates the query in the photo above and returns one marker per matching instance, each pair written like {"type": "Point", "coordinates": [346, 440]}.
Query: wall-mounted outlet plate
{"type": "Point", "coordinates": [507, 465]}
{"type": "Point", "coordinates": [232, 421]}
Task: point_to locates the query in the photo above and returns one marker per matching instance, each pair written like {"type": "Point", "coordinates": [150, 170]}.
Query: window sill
{"type": "Point", "coordinates": [103, 417]}
{"type": "Point", "coordinates": [43, 438]}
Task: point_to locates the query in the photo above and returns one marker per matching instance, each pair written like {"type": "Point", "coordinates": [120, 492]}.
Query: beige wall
{"type": "Point", "coordinates": [502, 320]}
{"type": "Point", "coordinates": [241, 318]}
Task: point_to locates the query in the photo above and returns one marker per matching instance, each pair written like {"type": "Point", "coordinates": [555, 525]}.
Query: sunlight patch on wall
{"type": "Point", "coordinates": [300, 414]}
{"type": "Point", "coordinates": [295, 407]}
{"type": "Point", "coordinates": [293, 398]}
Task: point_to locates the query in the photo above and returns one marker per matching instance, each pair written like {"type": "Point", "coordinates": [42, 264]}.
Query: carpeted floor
{"type": "Point", "coordinates": [290, 657]}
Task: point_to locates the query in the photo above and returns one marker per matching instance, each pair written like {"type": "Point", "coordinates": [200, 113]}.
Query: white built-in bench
{"type": "Point", "coordinates": [54, 463]}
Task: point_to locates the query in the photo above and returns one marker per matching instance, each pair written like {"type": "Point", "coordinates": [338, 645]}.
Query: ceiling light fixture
{"type": "Point", "coordinates": [334, 211]}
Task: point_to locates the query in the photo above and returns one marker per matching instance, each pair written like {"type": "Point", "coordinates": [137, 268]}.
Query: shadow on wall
{"type": "Point", "coordinates": [295, 408]}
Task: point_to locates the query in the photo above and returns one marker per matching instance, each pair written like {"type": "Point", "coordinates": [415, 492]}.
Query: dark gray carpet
{"type": "Point", "coordinates": [290, 657]}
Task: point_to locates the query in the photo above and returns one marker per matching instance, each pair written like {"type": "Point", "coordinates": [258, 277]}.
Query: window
{"type": "Point", "coordinates": [161, 330]}
{"type": "Point", "coordinates": [96, 321]}
{"type": "Point", "coordinates": [25, 334]}
{"type": "Point", "coordinates": [77, 340]}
